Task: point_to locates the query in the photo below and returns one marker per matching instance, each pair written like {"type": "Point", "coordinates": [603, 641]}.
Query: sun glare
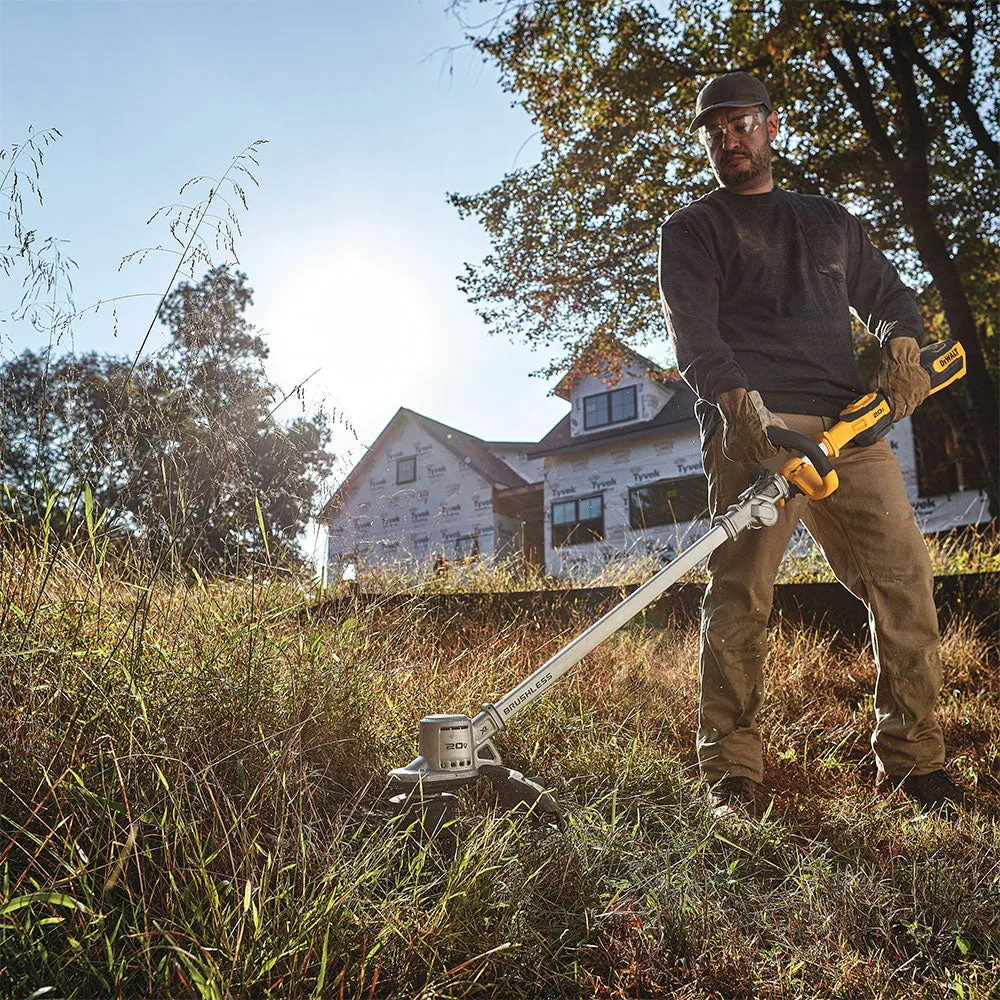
{"type": "Point", "coordinates": [367, 324]}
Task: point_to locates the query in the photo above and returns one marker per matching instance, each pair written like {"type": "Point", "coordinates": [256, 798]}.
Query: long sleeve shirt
{"type": "Point", "coordinates": [757, 292]}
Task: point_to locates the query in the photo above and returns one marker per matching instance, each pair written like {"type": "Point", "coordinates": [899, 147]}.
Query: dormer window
{"type": "Point", "coordinates": [606, 408]}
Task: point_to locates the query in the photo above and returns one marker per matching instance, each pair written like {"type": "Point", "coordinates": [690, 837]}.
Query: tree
{"type": "Point", "coordinates": [883, 106]}
{"type": "Point", "coordinates": [181, 450]}
{"type": "Point", "coordinates": [56, 428]}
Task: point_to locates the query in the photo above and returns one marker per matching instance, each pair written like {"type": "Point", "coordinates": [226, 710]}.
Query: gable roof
{"type": "Point", "coordinates": [467, 447]}
{"type": "Point", "coordinates": [595, 351]}
{"type": "Point", "coordinates": [676, 414]}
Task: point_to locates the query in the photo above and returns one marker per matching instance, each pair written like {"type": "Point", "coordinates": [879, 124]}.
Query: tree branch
{"type": "Point", "coordinates": [903, 44]}
{"type": "Point", "coordinates": [859, 92]}
{"type": "Point", "coordinates": [914, 139]}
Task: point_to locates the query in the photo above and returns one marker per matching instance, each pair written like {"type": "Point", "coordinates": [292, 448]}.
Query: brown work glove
{"type": "Point", "coordinates": [901, 377]}
{"type": "Point", "coordinates": [744, 421]}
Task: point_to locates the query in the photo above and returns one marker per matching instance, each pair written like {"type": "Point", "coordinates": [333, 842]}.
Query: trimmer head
{"type": "Point", "coordinates": [516, 791]}
{"type": "Point", "coordinates": [430, 813]}
{"type": "Point", "coordinates": [450, 759]}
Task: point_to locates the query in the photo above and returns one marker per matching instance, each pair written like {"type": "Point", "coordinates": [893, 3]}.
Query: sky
{"type": "Point", "coordinates": [373, 110]}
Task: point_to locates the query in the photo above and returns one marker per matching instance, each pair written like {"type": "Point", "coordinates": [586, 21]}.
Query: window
{"type": "Point", "coordinates": [406, 470]}
{"type": "Point", "coordinates": [669, 501]}
{"type": "Point", "coordinates": [575, 522]}
{"type": "Point", "coordinates": [613, 407]}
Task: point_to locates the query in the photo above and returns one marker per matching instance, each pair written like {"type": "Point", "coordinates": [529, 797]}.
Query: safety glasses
{"type": "Point", "coordinates": [738, 125]}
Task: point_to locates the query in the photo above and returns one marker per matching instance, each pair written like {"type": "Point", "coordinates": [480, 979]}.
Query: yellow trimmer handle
{"type": "Point", "coordinates": [809, 470]}
{"type": "Point", "coordinates": [864, 422]}
{"type": "Point", "coordinates": [869, 418]}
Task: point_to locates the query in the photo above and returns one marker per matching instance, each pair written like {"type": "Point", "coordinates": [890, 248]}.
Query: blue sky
{"type": "Point", "coordinates": [349, 244]}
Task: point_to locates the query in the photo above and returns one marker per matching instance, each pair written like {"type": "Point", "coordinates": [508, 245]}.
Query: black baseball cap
{"type": "Point", "coordinates": [732, 90]}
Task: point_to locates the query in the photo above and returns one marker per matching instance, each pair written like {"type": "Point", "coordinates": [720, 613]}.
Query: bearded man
{"type": "Point", "coordinates": [758, 285]}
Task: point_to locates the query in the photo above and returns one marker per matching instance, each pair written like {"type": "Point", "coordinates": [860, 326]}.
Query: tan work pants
{"type": "Point", "coordinates": [870, 538]}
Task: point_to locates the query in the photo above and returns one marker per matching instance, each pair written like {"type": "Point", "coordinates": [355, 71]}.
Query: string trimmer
{"type": "Point", "coordinates": [456, 750]}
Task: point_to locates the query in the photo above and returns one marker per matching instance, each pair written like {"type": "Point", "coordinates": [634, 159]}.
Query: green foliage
{"type": "Point", "coordinates": [611, 86]}
{"type": "Point", "coordinates": [176, 456]}
{"type": "Point", "coordinates": [180, 450]}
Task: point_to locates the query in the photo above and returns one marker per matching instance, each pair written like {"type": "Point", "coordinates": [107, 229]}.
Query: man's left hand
{"type": "Point", "coordinates": [901, 376]}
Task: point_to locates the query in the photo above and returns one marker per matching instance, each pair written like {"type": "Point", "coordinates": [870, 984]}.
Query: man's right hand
{"type": "Point", "coordinates": [745, 420]}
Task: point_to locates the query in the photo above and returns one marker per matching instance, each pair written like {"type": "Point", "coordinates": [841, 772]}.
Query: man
{"type": "Point", "coordinates": [757, 284]}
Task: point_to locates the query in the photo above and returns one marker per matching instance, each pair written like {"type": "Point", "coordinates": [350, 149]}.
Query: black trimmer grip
{"type": "Point", "coordinates": [944, 362]}
{"type": "Point", "coordinates": [809, 470]}
{"type": "Point", "coordinates": [800, 444]}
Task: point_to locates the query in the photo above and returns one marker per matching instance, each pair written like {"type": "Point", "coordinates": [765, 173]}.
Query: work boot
{"type": "Point", "coordinates": [731, 796]}
{"type": "Point", "coordinates": [934, 792]}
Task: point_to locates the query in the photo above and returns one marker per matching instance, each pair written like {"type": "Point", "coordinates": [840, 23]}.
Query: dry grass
{"type": "Point", "coordinates": [189, 772]}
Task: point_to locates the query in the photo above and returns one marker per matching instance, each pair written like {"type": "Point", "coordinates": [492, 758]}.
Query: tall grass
{"type": "Point", "coordinates": [190, 807]}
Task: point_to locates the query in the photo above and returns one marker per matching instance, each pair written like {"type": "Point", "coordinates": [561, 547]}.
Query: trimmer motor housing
{"type": "Point", "coordinates": [446, 745]}
{"type": "Point", "coordinates": [447, 756]}
{"type": "Point", "coordinates": [450, 758]}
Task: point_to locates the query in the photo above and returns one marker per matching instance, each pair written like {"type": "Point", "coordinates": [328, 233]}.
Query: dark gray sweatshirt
{"type": "Point", "coordinates": [756, 290]}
